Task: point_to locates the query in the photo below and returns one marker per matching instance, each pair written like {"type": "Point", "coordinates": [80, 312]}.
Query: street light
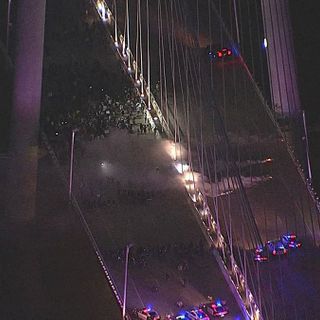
{"type": "Point", "coordinates": [125, 282]}
{"type": "Point", "coordinates": [8, 23]}
{"type": "Point", "coordinates": [71, 162]}
{"type": "Point", "coordinates": [306, 143]}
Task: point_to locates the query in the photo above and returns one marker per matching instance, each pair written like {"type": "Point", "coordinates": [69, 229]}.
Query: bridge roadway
{"type": "Point", "coordinates": [276, 207]}
{"type": "Point", "coordinates": [48, 267]}
{"type": "Point", "coordinates": [280, 205]}
{"type": "Point", "coordinates": [131, 193]}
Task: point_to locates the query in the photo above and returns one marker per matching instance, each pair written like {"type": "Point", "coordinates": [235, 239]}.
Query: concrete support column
{"type": "Point", "coordinates": [281, 58]}
{"type": "Point", "coordinates": [27, 57]}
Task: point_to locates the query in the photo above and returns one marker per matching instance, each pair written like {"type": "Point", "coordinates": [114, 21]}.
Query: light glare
{"type": "Point", "coordinates": [265, 42]}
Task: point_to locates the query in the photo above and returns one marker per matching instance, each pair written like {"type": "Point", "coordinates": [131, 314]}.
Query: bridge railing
{"type": "Point", "coordinates": [130, 66]}
{"type": "Point", "coordinates": [221, 250]}
{"type": "Point", "coordinates": [84, 223]}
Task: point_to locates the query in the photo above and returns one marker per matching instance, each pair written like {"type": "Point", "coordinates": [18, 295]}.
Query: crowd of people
{"type": "Point", "coordinates": [124, 196]}
{"type": "Point", "coordinates": [79, 91]}
{"type": "Point", "coordinates": [99, 116]}
{"type": "Point", "coordinates": [141, 256]}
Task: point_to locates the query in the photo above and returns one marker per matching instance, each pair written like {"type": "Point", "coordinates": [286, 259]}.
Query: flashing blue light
{"type": "Point", "coordinates": [218, 303]}
{"type": "Point", "coordinates": [235, 51]}
{"type": "Point", "coordinates": [149, 307]}
{"type": "Point", "coordinates": [182, 315]}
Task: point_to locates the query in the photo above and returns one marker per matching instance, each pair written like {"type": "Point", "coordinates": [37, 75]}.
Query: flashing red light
{"type": "Point", "coordinates": [229, 52]}
{"type": "Point", "coordinates": [274, 252]}
{"type": "Point", "coordinates": [219, 54]}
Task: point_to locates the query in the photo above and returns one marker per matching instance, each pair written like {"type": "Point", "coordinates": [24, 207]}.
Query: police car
{"type": "Point", "coordinates": [148, 314]}
{"type": "Point", "coordinates": [216, 309]}
{"type": "Point", "coordinates": [220, 54]}
{"type": "Point", "coordinates": [276, 247]}
{"type": "Point", "coordinates": [290, 241]}
{"type": "Point", "coordinates": [193, 314]}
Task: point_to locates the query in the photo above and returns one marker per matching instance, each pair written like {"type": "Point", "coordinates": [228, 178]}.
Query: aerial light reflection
{"type": "Point", "coordinates": [265, 43]}
{"type": "Point", "coordinates": [101, 10]}
{"type": "Point", "coordinates": [182, 167]}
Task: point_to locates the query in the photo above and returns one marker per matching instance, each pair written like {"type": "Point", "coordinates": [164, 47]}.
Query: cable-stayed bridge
{"type": "Point", "coordinates": [229, 115]}
{"type": "Point", "coordinates": [227, 131]}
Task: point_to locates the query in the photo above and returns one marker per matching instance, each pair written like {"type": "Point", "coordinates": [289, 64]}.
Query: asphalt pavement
{"type": "Point", "coordinates": [130, 192]}
{"type": "Point", "coordinates": [48, 267]}
{"type": "Point", "coordinates": [280, 205]}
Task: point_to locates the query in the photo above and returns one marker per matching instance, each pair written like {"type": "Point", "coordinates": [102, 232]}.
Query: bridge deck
{"type": "Point", "coordinates": [140, 199]}
{"type": "Point", "coordinates": [48, 268]}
